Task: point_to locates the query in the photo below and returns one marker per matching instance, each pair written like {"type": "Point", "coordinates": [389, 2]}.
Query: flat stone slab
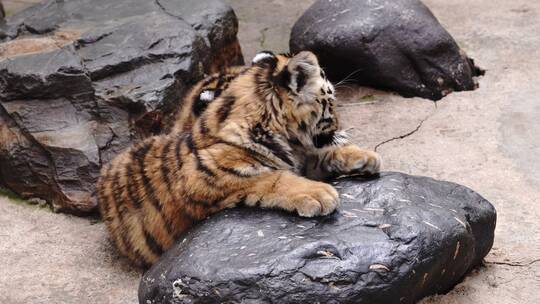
{"type": "Point", "coordinates": [394, 239]}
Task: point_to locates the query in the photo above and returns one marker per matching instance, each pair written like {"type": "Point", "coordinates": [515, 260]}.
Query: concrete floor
{"type": "Point", "coordinates": [488, 139]}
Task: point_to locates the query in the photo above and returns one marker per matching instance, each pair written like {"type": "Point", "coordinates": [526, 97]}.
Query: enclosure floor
{"type": "Point", "coordinates": [488, 139]}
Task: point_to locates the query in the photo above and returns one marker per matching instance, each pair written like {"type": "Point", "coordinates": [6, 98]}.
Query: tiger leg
{"type": "Point", "coordinates": [284, 190]}
{"type": "Point", "coordinates": [343, 160]}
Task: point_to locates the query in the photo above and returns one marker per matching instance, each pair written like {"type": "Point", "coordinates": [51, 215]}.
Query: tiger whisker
{"type": "Point", "coordinates": [346, 78]}
{"type": "Point", "coordinates": [343, 84]}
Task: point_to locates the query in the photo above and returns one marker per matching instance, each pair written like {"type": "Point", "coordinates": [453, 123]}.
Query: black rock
{"type": "Point", "coordinates": [397, 45]}
{"type": "Point", "coordinates": [81, 79]}
{"type": "Point", "coordinates": [2, 12]}
{"type": "Point", "coordinates": [394, 239]}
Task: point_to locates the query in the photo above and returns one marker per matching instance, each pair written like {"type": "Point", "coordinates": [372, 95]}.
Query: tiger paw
{"type": "Point", "coordinates": [353, 160]}
{"type": "Point", "coordinates": [315, 199]}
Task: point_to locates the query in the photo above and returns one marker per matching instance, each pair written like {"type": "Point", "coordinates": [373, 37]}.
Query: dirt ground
{"type": "Point", "coordinates": [488, 139]}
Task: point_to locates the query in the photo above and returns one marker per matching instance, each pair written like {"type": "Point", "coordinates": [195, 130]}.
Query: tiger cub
{"type": "Point", "coordinates": [273, 123]}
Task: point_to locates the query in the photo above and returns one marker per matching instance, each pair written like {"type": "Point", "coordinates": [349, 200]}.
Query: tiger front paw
{"type": "Point", "coordinates": [314, 199]}
{"type": "Point", "coordinates": [351, 159]}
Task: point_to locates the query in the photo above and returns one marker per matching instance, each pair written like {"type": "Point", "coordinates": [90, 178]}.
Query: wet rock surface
{"type": "Point", "coordinates": [396, 45]}
{"type": "Point", "coordinates": [2, 12]}
{"type": "Point", "coordinates": [394, 239]}
{"type": "Point", "coordinates": [80, 80]}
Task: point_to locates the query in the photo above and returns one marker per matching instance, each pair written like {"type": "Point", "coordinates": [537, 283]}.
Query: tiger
{"type": "Point", "coordinates": [270, 139]}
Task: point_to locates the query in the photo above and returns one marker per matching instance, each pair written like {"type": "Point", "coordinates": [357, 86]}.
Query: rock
{"type": "Point", "coordinates": [396, 45]}
{"type": "Point", "coordinates": [394, 239]}
{"type": "Point", "coordinates": [81, 79]}
{"type": "Point", "coordinates": [2, 12]}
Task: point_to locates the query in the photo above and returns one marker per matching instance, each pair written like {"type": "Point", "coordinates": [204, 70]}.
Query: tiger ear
{"type": "Point", "coordinates": [302, 67]}
{"type": "Point", "coordinates": [265, 59]}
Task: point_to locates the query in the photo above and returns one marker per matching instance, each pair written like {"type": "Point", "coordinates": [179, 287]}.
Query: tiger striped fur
{"type": "Point", "coordinates": [201, 95]}
{"type": "Point", "coordinates": [265, 141]}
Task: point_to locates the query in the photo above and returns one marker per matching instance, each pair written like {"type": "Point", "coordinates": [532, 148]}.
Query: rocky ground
{"type": "Point", "coordinates": [485, 139]}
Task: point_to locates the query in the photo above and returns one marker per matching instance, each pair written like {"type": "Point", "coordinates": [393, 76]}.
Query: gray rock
{"type": "Point", "coordinates": [397, 45]}
{"type": "Point", "coordinates": [81, 79]}
{"type": "Point", "coordinates": [2, 12]}
{"type": "Point", "coordinates": [394, 239]}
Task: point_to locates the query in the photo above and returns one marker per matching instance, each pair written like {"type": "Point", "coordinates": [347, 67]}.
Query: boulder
{"type": "Point", "coordinates": [2, 12]}
{"type": "Point", "coordinates": [81, 79]}
{"type": "Point", "coordinates": [396, 45]}
{"type": "Point", "coordinates": [394, 239]}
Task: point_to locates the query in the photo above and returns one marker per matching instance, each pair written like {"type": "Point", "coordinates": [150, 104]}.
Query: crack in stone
{"type": "Point", "coordinates": [513, 264]}
{"type": "Point", "coordinates": [408, 133]}
{"type": "Point", "coordinates": [262, 40]}
{"type": "Point", "coordinates": [167, 12]}
{"type": "Point", "coordinates": [82, 42]}
{"type": "Point", "coordinates": [107, 145]}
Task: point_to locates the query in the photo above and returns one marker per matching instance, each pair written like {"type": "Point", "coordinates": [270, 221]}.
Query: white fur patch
{"type": "Point", "coordinates": [341, 138]}
{"type": "Point", "coordinates": [261, 56]}
{"type": "Point", "coordinates": [207, 95]}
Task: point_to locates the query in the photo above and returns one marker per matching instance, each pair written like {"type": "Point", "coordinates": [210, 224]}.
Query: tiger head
{"type": "Point", "coordinates": [306, 100]}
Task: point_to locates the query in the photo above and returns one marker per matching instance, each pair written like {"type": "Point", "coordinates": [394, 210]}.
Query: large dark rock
{"type": "Point", "coordinates": [2, 12]}
{"type": "Point", "coordinates": [397, 45]}
{"type": "Point", "coordinates": [394, 239]}
{"type": "Point", "coordinates": [81, 79]}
